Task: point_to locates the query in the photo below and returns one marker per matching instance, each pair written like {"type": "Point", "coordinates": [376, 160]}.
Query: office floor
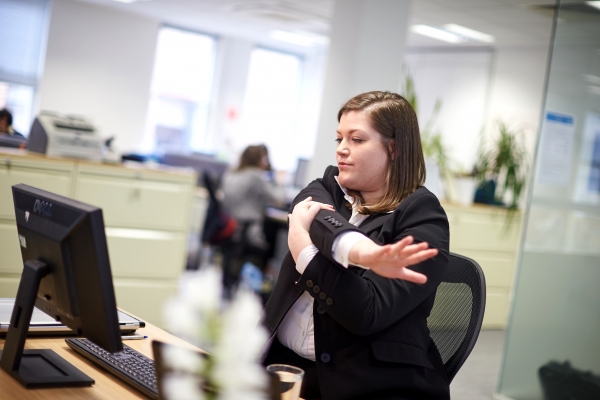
{"type": "Point", "coordinates": [478, 377]}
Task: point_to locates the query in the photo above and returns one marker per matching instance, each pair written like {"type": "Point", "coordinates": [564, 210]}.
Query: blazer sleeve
{"type": "Point", "coordinates": [367, 303]}
{"type": "Point", "coordinates": [326, 190]}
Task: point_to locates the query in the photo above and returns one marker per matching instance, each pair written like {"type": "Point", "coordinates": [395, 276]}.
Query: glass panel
{"type": "Point", "coordinates": [22, 29]}
{"type": "Point", "coordinates": [18, 99]}
{"type": "Point", "coordinates": [181, 91]}
{"type": "Point", "coordinates": [271, 106]}
{"type": "Point", "coordinates": [556, 309]}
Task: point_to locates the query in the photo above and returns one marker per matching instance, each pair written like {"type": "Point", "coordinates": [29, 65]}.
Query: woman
{"type": "Point", "coordinates": [246, 193]}
{"type": "Point", "coordinates": [335, 312]}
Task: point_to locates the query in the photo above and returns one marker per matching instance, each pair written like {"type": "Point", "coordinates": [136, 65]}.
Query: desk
{"type": "Point", "coordinates": [107, 386]}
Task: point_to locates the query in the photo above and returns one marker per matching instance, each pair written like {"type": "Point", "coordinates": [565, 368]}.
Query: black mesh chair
{"type": "Point", "coordinates": [457, 313]}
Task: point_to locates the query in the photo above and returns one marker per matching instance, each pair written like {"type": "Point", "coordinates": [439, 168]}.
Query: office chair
{"type": "Point", "coordinates": [457, 313]}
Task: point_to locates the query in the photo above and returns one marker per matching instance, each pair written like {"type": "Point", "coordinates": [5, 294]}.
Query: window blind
{"type": "Point", "coordinates": [23, 26]}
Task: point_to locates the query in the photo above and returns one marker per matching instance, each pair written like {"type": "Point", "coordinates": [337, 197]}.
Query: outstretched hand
{"type": "Point", "coordinates": [391, 260]}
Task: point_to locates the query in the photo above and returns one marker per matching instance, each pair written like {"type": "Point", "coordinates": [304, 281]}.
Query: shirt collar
{"type": "Point", "coordinates": [350, 199]}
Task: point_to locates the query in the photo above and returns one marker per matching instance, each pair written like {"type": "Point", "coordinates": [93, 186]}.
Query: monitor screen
{"type": "Point", "coordinates": [65, 239]}
{"type": "Point", "coordinates": [301, 173]}
{"type": "Point", "coordinates": [204, 164]}
{"type": "Point", "coordinates": [17, 142]}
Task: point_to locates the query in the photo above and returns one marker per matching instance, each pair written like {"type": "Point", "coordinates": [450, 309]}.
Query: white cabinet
{"type": "Point", "coordinates": [490, 236]}
{"type": "Point", "coordinates": [55, 177]}
{"type": "Point", "coordinates": [146, 215]}
{"type": "Point", "coordinates": [10, 255]}
{"type": "Point", "coordinates": [151, 254]}
{"type": "Point", "coordinates": [136, 198]}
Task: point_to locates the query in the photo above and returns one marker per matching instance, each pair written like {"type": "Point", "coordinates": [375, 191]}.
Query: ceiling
{"type": "Point", "coordinates": [511, 22]}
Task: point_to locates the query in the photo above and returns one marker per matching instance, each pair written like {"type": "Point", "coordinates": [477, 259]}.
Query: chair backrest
{"type": "Point", "coordinates": [457, 313]}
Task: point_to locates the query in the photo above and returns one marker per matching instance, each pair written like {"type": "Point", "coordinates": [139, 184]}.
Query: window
{"type": "Point", "coordinates": [181, 90]}
{"type": "Point", "coordinates": [23, 27]}
{"type": "Point", "coordinates": [271, 106]}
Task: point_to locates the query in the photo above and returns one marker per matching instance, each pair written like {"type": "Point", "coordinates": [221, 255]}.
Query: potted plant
{"type": "Point", "coordinates": [502, 167]}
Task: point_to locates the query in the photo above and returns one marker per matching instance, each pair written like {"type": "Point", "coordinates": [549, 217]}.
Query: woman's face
{"type": "Point", "coordinates": [361, 156]}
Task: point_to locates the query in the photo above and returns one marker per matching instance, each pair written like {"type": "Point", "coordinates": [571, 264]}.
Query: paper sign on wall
{"type": "Point", "coordinates": [556, 143]}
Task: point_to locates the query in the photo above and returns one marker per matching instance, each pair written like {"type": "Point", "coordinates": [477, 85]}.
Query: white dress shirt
{"type": "Point", "coordinates": [297, 330]}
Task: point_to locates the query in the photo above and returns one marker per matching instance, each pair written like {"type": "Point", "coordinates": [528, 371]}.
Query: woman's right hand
{"type": "Point", "coordinates": [391, 260]}
{"type": "Point", "coordinates": [300, 219]}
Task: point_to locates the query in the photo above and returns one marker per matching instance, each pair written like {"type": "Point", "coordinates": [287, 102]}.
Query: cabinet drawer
{"type": "Point", "coordinates": [10, 250]}
{"type": "Point", "coordinates": [497, 267]}
{"type": "Point", "coordinates": [151, 254]}
{"type": "Point", "coordinates": [9, 285]}
{"type": "Point", "coordinates": [484, 233]}
{"type": "Point", "coordinates": [58, 182]}
{"type": "Point", "coordinates": [145, 298]}
{"type": "Point", "coordinates": [483, 228]}
{"type": "Point", "coordinates": [130, 202]}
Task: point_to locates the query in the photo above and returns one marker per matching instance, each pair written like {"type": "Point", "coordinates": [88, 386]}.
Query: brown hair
{"type": "Point", "coordinates": [251, 157]}
{"type": "Point", "coordinates": [392, 116]}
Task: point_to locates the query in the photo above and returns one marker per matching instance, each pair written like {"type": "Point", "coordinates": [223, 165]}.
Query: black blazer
{"type": "Point", "coordinates": [371, 335]}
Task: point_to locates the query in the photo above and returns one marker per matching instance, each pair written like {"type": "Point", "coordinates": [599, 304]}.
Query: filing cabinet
{"type": "Point", "coordinates": [490, 236]}
{"type": "Point", "coordinates": [146, 215]}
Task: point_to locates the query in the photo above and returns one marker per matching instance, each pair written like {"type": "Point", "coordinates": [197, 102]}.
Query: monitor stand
{"type": "Point", "coordinates": [34, 368]}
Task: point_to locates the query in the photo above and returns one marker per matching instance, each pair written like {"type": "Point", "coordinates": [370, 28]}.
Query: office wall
{"type": "Point", "coordinates": [225, 132]}
{"type": "Point", "coordinates": [365, 54]}
{"type": "Point", "coordinates": [99, 64]}
{"type": "Point", "coordinates": [478, 86]}
{"type": "Point", "coordinates": [517, 88]}
{"type": "Point", "coordinates": [460, 79]}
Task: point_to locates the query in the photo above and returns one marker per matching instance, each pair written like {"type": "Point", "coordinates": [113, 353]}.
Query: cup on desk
{"type": "Point", "coordinates": [289, 378]}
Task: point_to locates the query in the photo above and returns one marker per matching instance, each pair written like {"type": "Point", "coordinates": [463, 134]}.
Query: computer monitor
{"type": "Point", "coordinates": [301, 173]}
{"type": "Point", "coordinates": [67, 275]}
{"type": "Point", "coordinates": [204, 164]}
{"type": "Point", "coordinates": [17, 142]}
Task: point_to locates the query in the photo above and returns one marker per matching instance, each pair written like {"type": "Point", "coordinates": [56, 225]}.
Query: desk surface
{"type": "Point", "coordinates": [106, 387]}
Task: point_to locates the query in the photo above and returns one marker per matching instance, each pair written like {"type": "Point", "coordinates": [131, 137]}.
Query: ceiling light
{"type": "Point", "coordinates": [595, 4]}
{"type": "Point", "coordinates": [471, 33]}
{"type": "Point", "coordinates": [436, 33]}
{"type": "Point", "coordinates": [301, 38]}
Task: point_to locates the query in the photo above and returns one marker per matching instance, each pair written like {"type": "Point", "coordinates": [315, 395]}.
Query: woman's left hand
{"type": "Point", "coordinates": [300, 219]}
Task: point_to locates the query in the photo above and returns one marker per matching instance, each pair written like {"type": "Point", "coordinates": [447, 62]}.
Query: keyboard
{"type": "Point", "coordinates": [129, 365]}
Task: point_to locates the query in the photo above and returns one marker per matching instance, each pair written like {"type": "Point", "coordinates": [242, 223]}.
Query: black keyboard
{"type": "Point", "coordinates": [130, 365]}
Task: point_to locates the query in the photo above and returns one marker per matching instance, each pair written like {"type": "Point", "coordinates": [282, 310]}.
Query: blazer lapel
{"type": "Point", "coordinates": [374, 222]}
{"type": "Point", "coordinates": [340, 203]}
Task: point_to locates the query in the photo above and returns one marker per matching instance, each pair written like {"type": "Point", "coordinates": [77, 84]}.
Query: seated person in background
{"type": "Point", "coordinates": [335, 311]}
{"type": "Point", "coordinates": [246, 193]}
{"type": "Point", "coordinates": [6, 120]}
{"type": "Point", "coordinates": [266, 163]}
